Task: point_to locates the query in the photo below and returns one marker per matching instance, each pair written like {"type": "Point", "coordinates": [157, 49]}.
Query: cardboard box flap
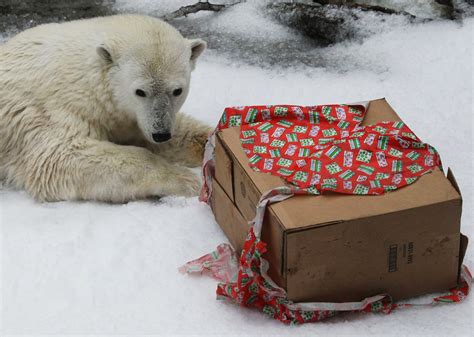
{"type": "Point", "coordinates": [453, 181]}
{"type": "Point", "coordinates": [319, 210]}
{"type": "Point", "coordinates": [379, 110]}
{"type": "Point", "coordinates": [308, 210]}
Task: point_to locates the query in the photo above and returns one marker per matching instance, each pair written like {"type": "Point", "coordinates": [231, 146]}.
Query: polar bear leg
{"type": "Point", "coordinates": [100, 170]}
{"type": "Point", "coordinates": [187, 144]}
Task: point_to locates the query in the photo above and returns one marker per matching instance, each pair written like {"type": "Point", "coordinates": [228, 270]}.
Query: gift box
{"type": "Point", "coordinates": [342, 248]}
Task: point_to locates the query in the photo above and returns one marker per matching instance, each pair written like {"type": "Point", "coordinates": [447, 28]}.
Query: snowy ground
{"type": "Point", "coordinates": [89, 268]}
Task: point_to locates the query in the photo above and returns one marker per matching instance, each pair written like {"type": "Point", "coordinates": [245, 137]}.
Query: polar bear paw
{"type": "Point", "coordinates": [186, 183]}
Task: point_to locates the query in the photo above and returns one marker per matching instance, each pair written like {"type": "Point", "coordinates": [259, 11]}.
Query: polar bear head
{"type": "Point", "coordinates": [149, 80]}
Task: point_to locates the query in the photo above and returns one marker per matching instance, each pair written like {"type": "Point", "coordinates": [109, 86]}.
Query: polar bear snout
{"type": "Point", "coordinates": [161, 137]}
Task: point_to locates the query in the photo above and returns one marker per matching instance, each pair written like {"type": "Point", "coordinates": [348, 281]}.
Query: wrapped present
{"type": "Point", "coordinates": [324, 228]}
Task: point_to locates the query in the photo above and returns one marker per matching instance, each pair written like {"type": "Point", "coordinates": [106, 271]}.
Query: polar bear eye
{"type": "Point", "coordinates": [140, 92]}
{"type": "Point", "coordinates": [177, 92]}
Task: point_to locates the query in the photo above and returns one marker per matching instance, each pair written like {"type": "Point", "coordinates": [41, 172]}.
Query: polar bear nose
{"type": "Point", "coordinates": [161, 137]}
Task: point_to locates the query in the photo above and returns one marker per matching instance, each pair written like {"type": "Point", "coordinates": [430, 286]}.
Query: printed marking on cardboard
{"type": "Point", "coordinates": [392, 258]}
{"type": "Point", "coordinates": [410, 253]}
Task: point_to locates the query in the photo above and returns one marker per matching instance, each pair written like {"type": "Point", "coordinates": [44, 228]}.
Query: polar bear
{"type": "Point", "coordinates": [89, 110]}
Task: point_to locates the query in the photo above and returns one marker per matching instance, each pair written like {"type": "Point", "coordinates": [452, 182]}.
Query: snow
{"type": "Point", "coordinates": [94, 268]}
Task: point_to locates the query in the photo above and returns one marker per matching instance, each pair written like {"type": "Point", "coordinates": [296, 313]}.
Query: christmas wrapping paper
{"type": "Point", "coordinates": [321, 148]}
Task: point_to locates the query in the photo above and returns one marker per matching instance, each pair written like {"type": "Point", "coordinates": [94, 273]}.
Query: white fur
{"type": "Point", "coordinates": [71, 123]}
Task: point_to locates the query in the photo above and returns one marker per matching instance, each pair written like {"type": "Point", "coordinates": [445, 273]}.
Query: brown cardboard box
{"type": "Point", "coordinates": [338, 248]}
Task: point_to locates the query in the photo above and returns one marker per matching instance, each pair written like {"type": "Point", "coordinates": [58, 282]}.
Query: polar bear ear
{"type": "Point", "coordinates": [105, 54]}
{"type": "Point", "coordinates": [197, 47]}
